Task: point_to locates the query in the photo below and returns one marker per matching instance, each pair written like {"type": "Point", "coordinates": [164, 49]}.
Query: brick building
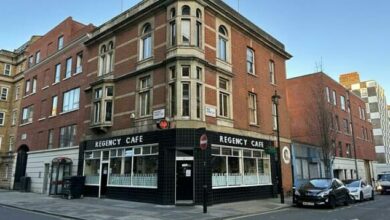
{"type": "Point", "coordinates": [51, 122]}
{"type": "Point", "coordinates": [348, 124]}
{"type": "Point", "coordinates": [373, 95]}
{"type": "Point", "coordinates": [197, 67]}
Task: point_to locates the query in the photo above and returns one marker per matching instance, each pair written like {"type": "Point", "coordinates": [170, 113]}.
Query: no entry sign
{"type": "Point", "coordinates": [203, 142]}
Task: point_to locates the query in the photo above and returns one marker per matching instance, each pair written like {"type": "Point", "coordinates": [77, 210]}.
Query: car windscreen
{"type": "Point", "coordinates": [384, 177]}
{"type": "Point", "coordinates": [317, 183]}
{"type": "Point", "coordinates": [353, 183]}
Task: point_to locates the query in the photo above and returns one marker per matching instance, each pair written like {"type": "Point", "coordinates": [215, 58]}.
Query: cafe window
{"type": "Point", "coordinates": [232, 167]}
{"type": "Point", "coordinates": [92, 167]}
{"type": "Point", "coordinates": [134, 167]}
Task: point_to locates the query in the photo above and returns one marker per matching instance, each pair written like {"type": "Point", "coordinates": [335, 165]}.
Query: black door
{"type": "Point", "coordinates": [103, 181]}
{"type": "Point", "coordinates": [184, 180]}
{"type": "Point", "coordinates": [21, 163]}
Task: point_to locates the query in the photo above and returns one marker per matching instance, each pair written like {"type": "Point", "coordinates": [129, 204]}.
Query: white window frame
{"type": "Point", "coordinates": [68, 68]}
{"type": "Point", "coordinates": [57, 73]}
{"type": "Point", "coordinates": [7, 69]}
{"type": "Point", "coordinates": [34, 84]}
{"type": "Point", "coordinates": [342, 103]}
{"type": "Point", "coordinates": [327, 92]}
{"type": "Point", "coordinates": [54, 106]}
{"type": "Point", "coordinates": [146, 42]}
{"type": "Point", "coordinates": [73, 98]}
{"type": "Point", "coordinates": [252, 108]}
{"type": "Point", "coordinates": [145, 89]}
{"type": "Point", "coordinates": [250, 61]}
{"type": "Point", "coordinates": [334, 97]}
{"type": "Point", "coordinates": [224, 92]}
{"type": "Point", "coordinates": [2, 118]}
{"type": "Point", "coordinates": [79, 63]}
{"type": "Point", "coordinates": [4, 93]}
{"type": "Point", "coordinates": [223, 42]}
{"type": "Point", "coordinates": [271, 69]}
{"type": "Point", "coordinates": [60, 42]}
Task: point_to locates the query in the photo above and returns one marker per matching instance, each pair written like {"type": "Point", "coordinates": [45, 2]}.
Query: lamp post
{"type": "Point", "coordinates": [275, 101]}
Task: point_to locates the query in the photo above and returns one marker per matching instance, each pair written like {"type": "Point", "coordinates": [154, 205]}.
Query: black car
{"type": "Point", "coordinates": [328, 192]}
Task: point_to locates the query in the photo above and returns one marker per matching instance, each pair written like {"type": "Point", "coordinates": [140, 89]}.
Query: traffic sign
{"type": "Point", "coordinates": [203, 142]}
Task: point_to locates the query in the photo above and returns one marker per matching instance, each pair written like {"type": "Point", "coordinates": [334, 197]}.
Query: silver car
{"type": "Point", "coordinates": [359, 190]}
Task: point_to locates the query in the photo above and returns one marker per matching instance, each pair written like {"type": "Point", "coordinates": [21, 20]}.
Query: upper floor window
{"type": "Point", "coordinates": [27, 87]}
{"type": "Point", "coordinates": [334, 98]}
{"type": "Point", "coordinates": [14, 117]}
{"type": "Point", "coordinates": [4, 93]}
{"type": "Point", "coordinates": [7, 69]}
{"type": "Point", "coordinates": [31, 61]}
{"type": "Point", "coordinates": [106, 58]}
{"type": "Point", "coordinates": [186, 31]}
{"type": "Point", "coordinates": [71, 100]}
{"type": "Point", "coordinates": [37, 57]}
{"type": "Point", "coordinates": [50, 139]}
{"type": "Point", "coordinates": [252, 105]}
{"type": "Point", "coordinates": [222, 43]}
{"type": "Point", "coordinates": [27, 114]}
{"type": "Point", "coordinates": [327, 94]}
{"type": "Point", "coordinates": [54, 104]}
{"type": "Point", "coordinates": [271, 67]}
{"type": "Point", "coordinates": [57, 74]}
{"type": "Point", "coordinates": [34, 85]}
{"type": "Point", "coordinates": [146, 42]}
{"type": "Point", "coordinates": [186, 10]}
{"type": "Point", "coordinates": [173, 12]}
{"type": "Point", "coordinates": [60, 42]}
{"type": "Point", "coordinates": [68, 136]}
{"type": "Point", "coordinates": [172, 32]}
{"type": "Point", "coordinates": [224, 97]}
{"type": "Point", "coordinates": [346, 126]}
{"type": "Point", "coordinates": [198, 30]}
{"type": "Point", "coordinates": [250, 58]}
{"type": "Point", "coordinates": [2, 118]}
{"type": "Point", "coordinates": [198, 14]}
{"type": "Point", "coordinates": [17, 92]}
{"type": "Point", "coordinates": [79, 63]}
{"type": "Point", "coordinates": [144, 94]}
{"type": "Point", "coordinates": [103, 104]}
{"type": "Point", "coordinates": [342, 102]}
{"type": "Point", "coordinates": [68, 67]}
{"type": "Point", "coordinates": [186, 99]}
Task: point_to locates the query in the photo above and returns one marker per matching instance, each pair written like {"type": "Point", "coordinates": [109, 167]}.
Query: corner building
{"type": "Point", "coordinates": [204, 69]}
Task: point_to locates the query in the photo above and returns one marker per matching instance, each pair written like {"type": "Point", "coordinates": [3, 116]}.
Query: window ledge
{"type": "Point", "coordinates": [77, 73]}
{"type": "Point", "coordinates": [55, 83]}
{"type": "Point", "coordinates": [252, 74]}
{"type": "Point", "coordinates": [254, 125]}
{"type": "Point", "coordinates": [21, 125]}
{"type": "Point", "coordinates": [274, 84]}
{"type": "Point", "coordinates": [41, 119]}
{"type": "Point", "coordinates": [66, 78]}
{"type": "Point", "coordinates": [25, 96]}
{"type": "Point", "coordinates": [45, 87]}
{"type": "Point", "coordinates": [52, 116]}
{"type": "Point", "coordinates": [73, 110]}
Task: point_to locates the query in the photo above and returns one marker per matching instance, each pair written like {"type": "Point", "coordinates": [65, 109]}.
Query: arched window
{"type": "Point", "coordinates": [185, 10]}
{"type": "Point", "coordinates": [222, 42]}
{"type": "Point", "coordinates": [102, 60]}
{"type": "Point", "coordinates": [110, 54]}
{"type": "Point", "coordinates": [146, 42]}
{"type": "Point", "coordinates": [198, 14]}
{"type": "Point", "coordinates": [173, 12]}
{"type": "Point", "coordinates": [198, 30]}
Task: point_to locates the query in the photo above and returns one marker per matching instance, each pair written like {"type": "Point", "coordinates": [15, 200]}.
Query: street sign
{"type": "Point", "coordinates": [203, 142]}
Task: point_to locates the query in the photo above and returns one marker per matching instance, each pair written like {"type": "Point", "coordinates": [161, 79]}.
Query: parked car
{"type": "Point", "coordinates": [359, 190]}
{"type": "Point", "coordinates": [383, 183]}
{"type": "Point", "coordinates": [321, 191]}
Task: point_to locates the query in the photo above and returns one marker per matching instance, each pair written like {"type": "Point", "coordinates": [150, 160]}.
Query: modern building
{"type": "Point", "coordinates": [374, 96]}
{"type": "Point", "coordinates": [326, 119]}
{"type": "Point", "coordinates": [162, 74]}
{"type": "Point", "coordinates": [52, 109]}
{"type": "Point", "coordinates": [12, 65]}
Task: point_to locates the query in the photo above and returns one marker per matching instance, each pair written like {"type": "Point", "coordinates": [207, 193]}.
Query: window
{"type": "Point", "coordinates": [79, 63]}
{"type": "Point", "coordinates": [274, 117]}
{"type": "Point", "coordinates": [54, 103]}
{"type": "Point", "coordinates": [342, 102]}
{"type": "Point", "coordinates": [68, 67]}
{"type": "Point", "coordinates": [233, 167]}
{"type": "Point", "coordinates": [186, 99]}
{"type": "Point", "coordinates": [103, 104]}
{"type": "Point", "coordinates": [4, 93]}
{"type": "Point", "coordinates": [360, 112]}
{"type": "Point", "coordinates": [346, 126]}
{"type": "Point", "coordinates": [14, 117]}
{"type": "Point", "coordinates": [68, 136]}
{"type": "Point", "coordinates": [252, 105]}
{"type": "Point", "coordinates": [173, 12]}
{"type": "Point", "coordinates": [50, 139]}
{"type": "Point", "coordinates": [222, 43]}
{"type": "Point", "coordinates": [57, 75]}
{"type": "Point", "coordinates": [198, 100]}
{"type": "Point", "coordinates": [340, 146]}
{"type": "Point", "coordinates": [186, 31]}
{"type": "Point", "coordinates": [185, 71]}
{"type": "Point", "coordinates": [7, 69]}
{"type": "Point", "coordinates": [172, 28]}
{"type": "Point", "coordinates": [198, 34]}
{"type": "Point", "coordinates": [144, 96]}
{"type": "Point", "coordinates": [27, 87]}
{"type": "Point", "coordinates": [146, 42]}
{"type": "Point", "coordinates": [348, 151]}
{"type": "Point", "coordinates": [106, 58]}
{"type": "Point", "coordinates": [363, 114]}
{"type": "Point", "coordinates": [37, 57]}
{"type": "Point", "coordinates": [271, 67]}
{"type": "Point", "coordinates": [224, 97]}
{"type": "Point", "coordinates": [364, 93]}
{"type": "Point", "coordinates": [27, 114]}
{"type": "Point", "coordinates": [11, 143]}
{"type": "Point", "coordinates": [30, 61]}
{"type": "Point", "coordinates": [60, 42]}
{"type": "Point", "coordinates": [17, 92]}
{"type": "Point", "coordinates": [334, 98]}
{"type": "Point", "coordinates": [92, 167]}
{"type": "Point", "coordinates": [250, 58]}
{"type": "Point", "coordinates": [71, 100]}
{"type": "Point", "coordinates": [185, 10]}
{"type": "Point", "coordinates": [2, 118]}
{"type": "Point", "coordinates": [34, 85]}
{"type": "Point", "coordinates": [172, 98]}
{"type": "Point", "coordinates": [327, 94]}
{"type": "Point", "coordinates": [337, 122]}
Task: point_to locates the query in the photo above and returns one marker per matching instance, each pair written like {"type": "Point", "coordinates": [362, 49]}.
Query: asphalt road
{"type": "Point", "coordinates": [17, 214]}
{"type": "Point", "coordinates": [379, 209]}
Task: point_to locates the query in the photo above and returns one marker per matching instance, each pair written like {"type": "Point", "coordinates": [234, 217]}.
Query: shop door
{"type": "Point", "coordinates": [103, 180]}
{"type": "Point", "coordinates": [184, 180]}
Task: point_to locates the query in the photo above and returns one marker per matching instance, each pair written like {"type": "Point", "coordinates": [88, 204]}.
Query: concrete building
{"type": "Point", "coordinates": [165, 72]}
{"type": "Point", "coordinates": [320, 107]}
{"type": "Point", "coordinates": [374, 96]}
{"type": "Point", "coordinates": [51, 122]}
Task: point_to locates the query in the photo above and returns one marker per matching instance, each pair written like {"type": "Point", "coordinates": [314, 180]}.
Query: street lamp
{"type": "Point", "coordinates": [275, 101]}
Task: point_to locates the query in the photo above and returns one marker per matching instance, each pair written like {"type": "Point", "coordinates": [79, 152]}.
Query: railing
{"type": "Point", "coordinates": [148, 180]}
{"type": "Point", "coordinates": [238, 179]}
{"type": "Point", "coordinates": [92, 179]}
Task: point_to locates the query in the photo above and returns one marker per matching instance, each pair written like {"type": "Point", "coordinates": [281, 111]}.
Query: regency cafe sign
{"type": "Point", "coordinates": [240, 141]}
{"type": "Point", "coordinates": [116, 142]}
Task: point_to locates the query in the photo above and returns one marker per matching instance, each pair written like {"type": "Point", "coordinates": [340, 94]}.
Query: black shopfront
{"type": "Point", "coordinates": [166, 167]}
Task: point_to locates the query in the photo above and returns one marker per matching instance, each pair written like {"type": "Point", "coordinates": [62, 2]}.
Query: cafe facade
{"type": "Point", "coordinates": [169, 167]}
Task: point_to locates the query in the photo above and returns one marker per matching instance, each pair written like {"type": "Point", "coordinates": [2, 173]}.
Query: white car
{"type": "Point", "coordinates": [359, 190]}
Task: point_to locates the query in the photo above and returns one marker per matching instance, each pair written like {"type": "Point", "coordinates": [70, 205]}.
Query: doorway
{"type": "Point", "coordinates": [103, 180]}
{"type": "Point", "coordinates": [184, 177]}
{"type": "Point", "coordinates": [46, 178]}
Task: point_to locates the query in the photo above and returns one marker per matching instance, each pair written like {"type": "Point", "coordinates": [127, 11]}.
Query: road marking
{"type": "Point", "coordinates": [263, 213]}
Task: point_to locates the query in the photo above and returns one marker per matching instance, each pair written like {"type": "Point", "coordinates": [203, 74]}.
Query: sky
{"type": "Point", "coordinates": [337, 36]}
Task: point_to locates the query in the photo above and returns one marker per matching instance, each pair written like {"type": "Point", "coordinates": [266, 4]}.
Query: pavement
{"type": "Point", "coordinates": [102, 209]}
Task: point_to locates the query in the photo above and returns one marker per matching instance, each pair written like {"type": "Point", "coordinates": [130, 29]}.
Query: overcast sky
{"type": "Point", "coordinates": [343, 35]}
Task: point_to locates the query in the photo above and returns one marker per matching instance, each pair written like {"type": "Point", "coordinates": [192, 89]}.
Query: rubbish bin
{"type": "Point", "coordinates": [25, 183]}
{"type": "Point", "coordinates": [73, 187]}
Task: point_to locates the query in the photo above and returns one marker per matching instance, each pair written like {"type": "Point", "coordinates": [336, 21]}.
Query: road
{"type": "Point", "coordinates": [17, 214]}
{"type": "Point", "coordinates": [379, 209]}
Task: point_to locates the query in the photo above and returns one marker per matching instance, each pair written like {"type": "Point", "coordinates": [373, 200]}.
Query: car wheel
{"type": "Point", "coordinates": [332, 202]}
{"type": "Point", "coordinates": [372, 195]}
{"type": "Point", "coordinates": [361, 197]}
{"type": "Point", "coordinates": [346, 199]}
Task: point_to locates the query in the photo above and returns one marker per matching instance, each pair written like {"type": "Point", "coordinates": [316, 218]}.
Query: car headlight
{"type": "Point", "coordinates": [297, 193]}
{"type": "Point", "coordinates": [354, 191]}
{"type": "Point", "coordinates": [379, 187]}
{"type": "Point", "coordinates": [324, 193]}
